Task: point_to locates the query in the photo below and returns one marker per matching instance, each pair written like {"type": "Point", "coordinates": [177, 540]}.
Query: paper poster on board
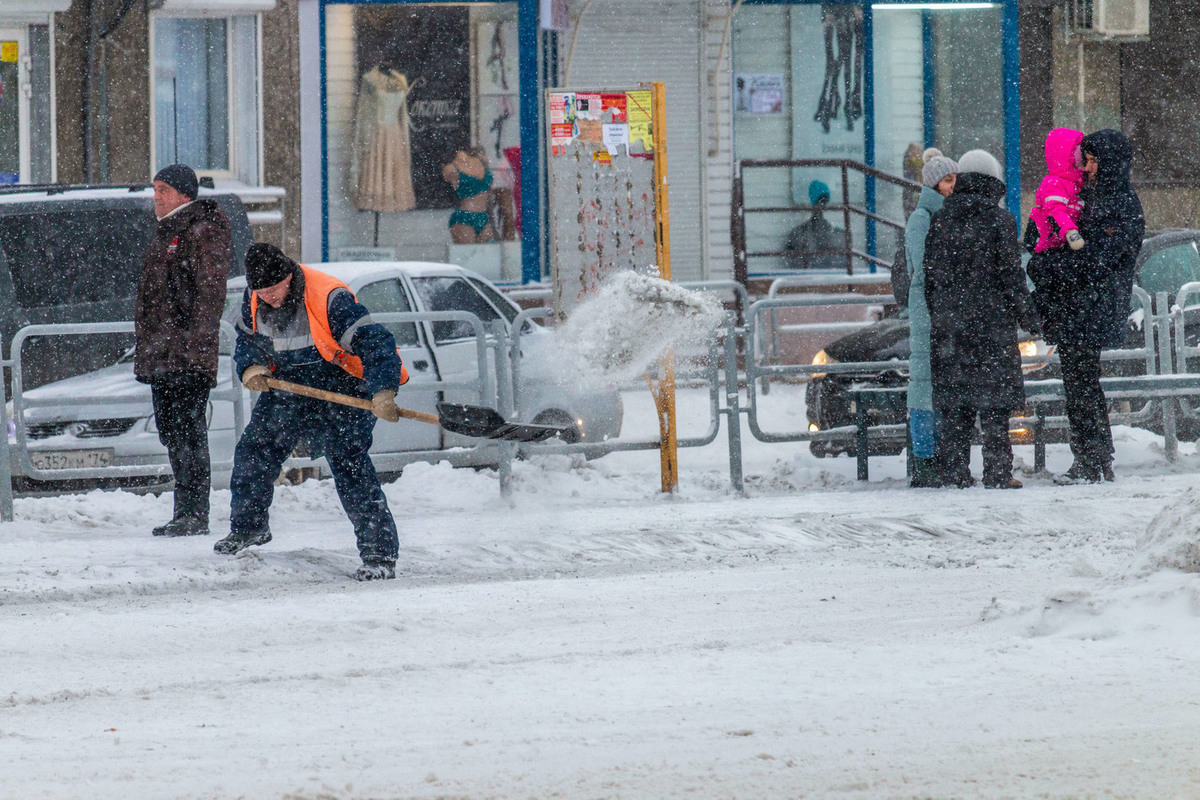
{"type": "Point", "coordinates": [759, 93]}
{"type": "Point", "coordinates": [641, 122]}
{"type": "Point", "coordinates": [601, 202]}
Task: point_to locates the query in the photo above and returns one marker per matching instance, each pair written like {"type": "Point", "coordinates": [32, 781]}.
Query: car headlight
{"type": "Point", "coordinates": [1031, 348]}
{"type": "Point", "coordinates": [821, 359]}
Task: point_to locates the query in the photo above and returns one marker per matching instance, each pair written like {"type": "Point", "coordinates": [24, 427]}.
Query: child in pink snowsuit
{"type": "Point", "coordinates": [1056, 205]}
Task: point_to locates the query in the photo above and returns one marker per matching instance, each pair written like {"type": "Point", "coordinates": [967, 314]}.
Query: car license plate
{"type": "Point", "coordinates": [71, 459]}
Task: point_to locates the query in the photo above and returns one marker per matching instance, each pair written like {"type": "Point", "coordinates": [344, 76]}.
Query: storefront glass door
{"type": "Point", "coordinates": [874, 83]}
{"type": "Point", "coordinates": [938, 82]}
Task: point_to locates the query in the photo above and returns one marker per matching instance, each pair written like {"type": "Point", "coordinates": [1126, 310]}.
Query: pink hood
{"type": "Point", "coordinates": [1061, 144]}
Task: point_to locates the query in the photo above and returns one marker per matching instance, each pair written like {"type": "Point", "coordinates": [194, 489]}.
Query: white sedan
{"type": "Point", "coordinates": [434, 352]}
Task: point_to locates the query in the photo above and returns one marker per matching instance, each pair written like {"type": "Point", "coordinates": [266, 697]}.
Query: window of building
{"type": "Point", "coordinates": [408, 85]}
{"type": "Point", "coordinates": [206, 94]}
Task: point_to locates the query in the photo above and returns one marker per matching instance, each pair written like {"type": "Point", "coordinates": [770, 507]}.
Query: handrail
{"type": "Point", "coordinates": [738, 209]}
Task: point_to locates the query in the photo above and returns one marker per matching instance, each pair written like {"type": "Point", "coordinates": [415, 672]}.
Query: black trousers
{"type": "Point", "coordinates": [1087, 410]}
{"type": "Point", "coordinates": [956, 429]}
{"type": "Point", "coordinates": [180, 403]}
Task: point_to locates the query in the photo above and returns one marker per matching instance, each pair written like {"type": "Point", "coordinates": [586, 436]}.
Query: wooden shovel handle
{"type": "Point", "coordinates": [347, 400]}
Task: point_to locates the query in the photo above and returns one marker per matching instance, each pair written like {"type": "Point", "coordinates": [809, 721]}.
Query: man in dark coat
{"type": "Point", "coordinates": [977, 297]}
{"type": "Point", "coordinates": [1084, 296]}
{"type": "Point", "coordinates": [181, 294]}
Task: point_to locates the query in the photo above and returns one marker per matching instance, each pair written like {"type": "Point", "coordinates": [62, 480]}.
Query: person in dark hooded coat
{"type": "Point", "coordinates": [1084, 296]}
{"type": "Point", "coordinates": [977, 296]}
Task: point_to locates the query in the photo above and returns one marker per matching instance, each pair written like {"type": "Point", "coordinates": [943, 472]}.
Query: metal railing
{"type": "Point", "coordinates": [15, 461]}
{"type": "Point", "coordinates": [742, 253]}
{"type": "Point", "coordinates": [735, 360]}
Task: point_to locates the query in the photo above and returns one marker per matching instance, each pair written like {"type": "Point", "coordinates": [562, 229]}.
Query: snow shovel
{"type": "Point", "coordinates": [475, 421]}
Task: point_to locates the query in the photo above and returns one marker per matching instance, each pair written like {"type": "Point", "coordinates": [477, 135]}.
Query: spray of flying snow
{"type": "Point", "coordinates": [621, 330]}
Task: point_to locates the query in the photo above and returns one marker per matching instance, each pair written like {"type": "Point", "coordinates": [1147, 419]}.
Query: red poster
{"type": "Point", "coordinates": [614, 103]}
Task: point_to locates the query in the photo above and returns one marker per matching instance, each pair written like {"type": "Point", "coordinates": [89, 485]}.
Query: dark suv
{"type": "Point", "coordinates": [74, 254]}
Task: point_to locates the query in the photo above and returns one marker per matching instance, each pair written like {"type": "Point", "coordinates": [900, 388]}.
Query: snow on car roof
{"type": "Point", "coordinates": [357, 272]}
{"type": "Point", "coordinates": [352, 271]}
{"type": "Point", "coordinates": [64, 195]}
{"type": "Point", "coordinates": [52, 194]}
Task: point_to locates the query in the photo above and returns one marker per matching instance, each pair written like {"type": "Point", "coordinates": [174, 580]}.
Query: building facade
{"type": "Point", "coordinates": [267, 97]}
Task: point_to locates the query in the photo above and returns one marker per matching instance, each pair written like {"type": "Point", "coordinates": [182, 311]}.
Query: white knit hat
{"type": "Point", "coordinates": [935, 169]}
{"type": "Point", "coordinates": [929, 153]}
{"type": "Point", "coordinates": [980, 161]}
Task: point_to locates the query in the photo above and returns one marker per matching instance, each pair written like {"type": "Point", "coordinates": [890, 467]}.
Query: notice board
{"type": "Point", "coordinates": [606, 195]}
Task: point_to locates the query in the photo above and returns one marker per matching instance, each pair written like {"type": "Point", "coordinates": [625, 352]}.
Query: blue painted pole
{"type": "Point", "coordinates": [869, 120]}
{"type": "Point", "coordinates": [1012, 107]}
{"type": "Point", "coordinates": [324, 140]}
{"type": "Point", "coordinates": [928, 80]}
{"type": "Point", "coordinates": [528, 28]}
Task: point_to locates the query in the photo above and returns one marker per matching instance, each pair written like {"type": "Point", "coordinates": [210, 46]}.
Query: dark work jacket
{"type": "Point", "coordinates": [977, 297]}
{"type": "Point", "coordinates": [181, 294]}
{"type": "Point", "coordinates": [1084, 295]}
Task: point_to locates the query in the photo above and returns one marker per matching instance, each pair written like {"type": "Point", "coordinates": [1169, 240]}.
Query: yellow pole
{"type": "Point", "coordinates": [664, 394]}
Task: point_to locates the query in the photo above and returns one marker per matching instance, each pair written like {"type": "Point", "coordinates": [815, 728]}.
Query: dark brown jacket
{"type": "Point", "coordinates": [181, 293]}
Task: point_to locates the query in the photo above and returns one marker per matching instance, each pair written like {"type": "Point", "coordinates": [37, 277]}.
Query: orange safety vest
{"type": "Point", "coordinates": [317, 288]}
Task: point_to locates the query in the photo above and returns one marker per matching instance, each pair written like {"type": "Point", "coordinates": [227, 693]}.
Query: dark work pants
{"type": "Point", "coordinates": [278, 422]}
{"type": "Point", "coordinates": [180, 404]}
{"type": "Point", "coordinates": [1087, 410]}
{"type": "Point", "coordinates": [954, 444]}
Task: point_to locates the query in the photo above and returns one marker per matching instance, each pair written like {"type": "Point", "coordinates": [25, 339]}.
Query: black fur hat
{"type": "Point", "coordinates": [266, 265]}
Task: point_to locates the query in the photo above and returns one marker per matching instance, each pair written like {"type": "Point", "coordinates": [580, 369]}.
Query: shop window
{"type": "Point", "coordinates": [408, 85]}
{"type": "Point", "coordinates": [206, 94]}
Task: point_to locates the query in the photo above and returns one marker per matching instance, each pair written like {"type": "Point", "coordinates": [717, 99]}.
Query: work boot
{"type": "Point", "coordinates": [376, 571]}
{"type": "Point", "coordinates": [183, 526]}
{"type": "Point", "coordinates": [1004, 483]}
{"type": "Point", "coordinates": [237, 541]}
{"type": "Point", "coordinates": [925, 474]}
{"type": "Point", "coordinates": [1078, 474]}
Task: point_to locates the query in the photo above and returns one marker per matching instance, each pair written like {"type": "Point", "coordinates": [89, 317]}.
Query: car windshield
{"type": "Point", "coordinates": [453, 294]}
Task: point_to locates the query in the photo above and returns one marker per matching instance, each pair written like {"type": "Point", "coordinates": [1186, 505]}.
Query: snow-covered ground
{"type": "Point", "coordinates": [816, 637]}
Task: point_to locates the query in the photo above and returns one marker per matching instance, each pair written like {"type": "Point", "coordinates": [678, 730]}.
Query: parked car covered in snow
{"type": "Point", "coordinates": [74, 254]}
{"type": "Point", "coordinates": [434, 352]}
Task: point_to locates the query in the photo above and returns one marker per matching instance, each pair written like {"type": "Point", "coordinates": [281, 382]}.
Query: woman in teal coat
{"type": "Point", "coordinates": [938, 176]}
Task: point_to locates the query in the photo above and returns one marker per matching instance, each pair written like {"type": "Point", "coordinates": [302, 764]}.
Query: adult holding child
{"type": "Point", "coordinates": [1084, 296]}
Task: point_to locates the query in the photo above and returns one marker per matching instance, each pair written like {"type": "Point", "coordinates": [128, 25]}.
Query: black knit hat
{"type": "Point", "coordinates": [181, 178]}
{"type": "Point", "coordinates": [266, 265]}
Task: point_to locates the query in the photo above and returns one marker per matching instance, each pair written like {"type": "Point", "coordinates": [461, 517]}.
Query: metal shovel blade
{"type": "Point", "coordinates": [486, 423]}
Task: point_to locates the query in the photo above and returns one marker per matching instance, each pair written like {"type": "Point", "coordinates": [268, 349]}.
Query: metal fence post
{"type": "Point", "coordinates": [1162, 326]}
{"type": "Point", "coordinates": [733, 403]}
{"type": "Point", "coordinates": [505, 402]}
{"type": "Point", "coordinates": [6, 490]}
